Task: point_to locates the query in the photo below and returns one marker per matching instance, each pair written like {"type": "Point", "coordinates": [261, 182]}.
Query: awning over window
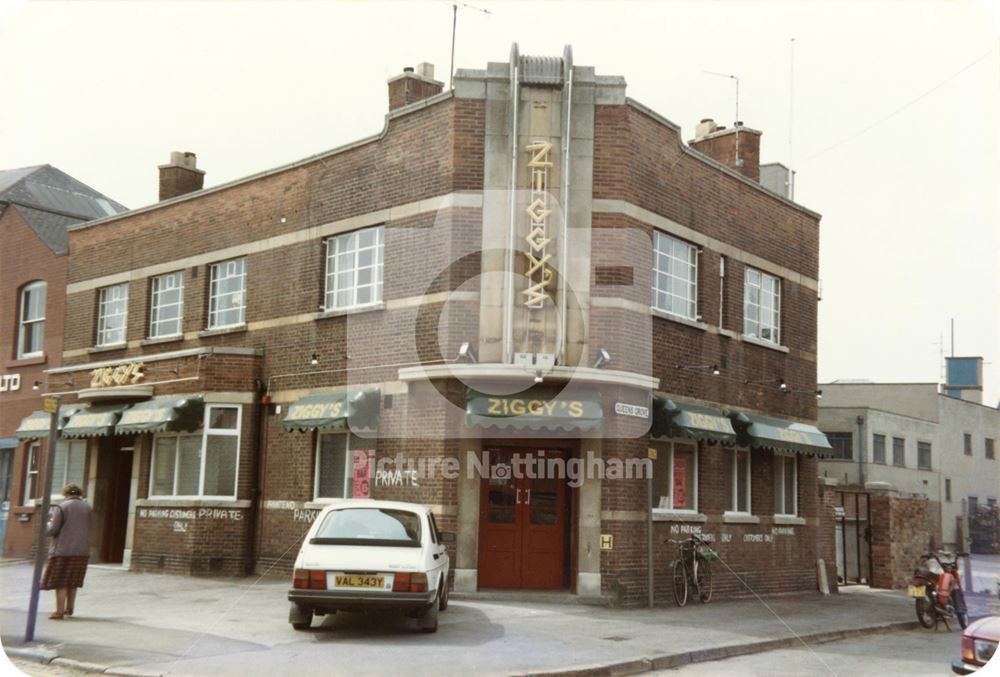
{"type": "Point", "coordinates": [777, 433]}
{"type": "Point", "coordinates": [8, 442]}
{"type": "Point", "coordinates": [681, 419]}
{"type": "Point", "coordinates": [96, 420]}
{"type": "Point", "coordinates": [354, 410]}
{"type": "Point", "coordinates": [535, 409]}
{"type": "Point", "coordinates": [36, 424]}
{"type": "Point", "coordinates": [174, 414]}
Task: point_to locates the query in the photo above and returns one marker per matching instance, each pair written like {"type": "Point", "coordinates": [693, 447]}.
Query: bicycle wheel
{"type": "Point", "coordinates": [703, 579]}
{"type": "Point", "coordinates": [680, 583]}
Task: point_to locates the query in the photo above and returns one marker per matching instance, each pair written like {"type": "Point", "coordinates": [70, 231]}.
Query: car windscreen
{"type": "Point", "coordinates": [369, 526]}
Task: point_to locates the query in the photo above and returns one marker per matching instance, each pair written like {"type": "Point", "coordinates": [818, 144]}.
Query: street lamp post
{"type": "Point", "coordinates": [51, 406]}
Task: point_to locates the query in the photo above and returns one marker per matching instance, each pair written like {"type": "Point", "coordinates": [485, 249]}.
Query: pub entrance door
{"type": "Point", "coordinates": [523, 522]}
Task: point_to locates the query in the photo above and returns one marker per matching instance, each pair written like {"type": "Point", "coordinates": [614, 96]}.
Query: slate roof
{"type": "Point", "coordinates": [51, 200]}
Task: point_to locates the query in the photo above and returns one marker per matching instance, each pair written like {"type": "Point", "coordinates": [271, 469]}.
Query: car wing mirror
{"type": "Point", "coordinates": [447, 536]}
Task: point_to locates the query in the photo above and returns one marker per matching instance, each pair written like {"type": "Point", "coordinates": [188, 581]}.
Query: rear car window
{"type": "Point", "coordinates": [369, 526]}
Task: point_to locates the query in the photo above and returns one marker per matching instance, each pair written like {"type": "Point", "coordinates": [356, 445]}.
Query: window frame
{"type": "Point", "coordinates": [214, 297]}
{"type": "Point", "coordinates": [840, 436]}
{"type": "Point", "coordinates": [331, 269]}
{"type": "Point", "coordinates": [33, 323]}
{"type": "Point", "coordinates": [756, 316]}
{"type": "Point", "coordinates": [667, 446]}
{"type": "Point", "coordinates": [103, 316]}
{"type": "Point", "coordinates": [733, 501]}
{"type": "Point", "coordinates": [989, 448]}
{"type": "Point", "coordinates": [154, 307]}
{"type": "Point", "coordinates": [967, 443]}
{"type": "Point", "coordinates": [925, 446]}
{"type": "Point", "coordinates": [947, 489]}
{"type": "Point", "coordinates": [875, 438]}
{"type": "Point", "coordinates": [204, 434]}
{"type": "Point", "coordinates": [902, 449]}
{"type": "Point", "coordinates": [785, 457]}
{"type": "Point", "coordinates": [32, 455]}
{"type": "Point", "coordinates": [694, 252]}
{"type": "Point", "coordinates": [348, 466]}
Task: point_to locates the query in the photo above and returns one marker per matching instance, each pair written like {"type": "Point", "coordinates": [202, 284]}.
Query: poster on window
{"type": "Point", "coordinates": [680, 481]}
{"type": "Point", "coordinates": [362, 467]}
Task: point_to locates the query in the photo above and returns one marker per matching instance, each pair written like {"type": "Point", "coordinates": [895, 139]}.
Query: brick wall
{"type": "Point", "coordinates": [902, 530]}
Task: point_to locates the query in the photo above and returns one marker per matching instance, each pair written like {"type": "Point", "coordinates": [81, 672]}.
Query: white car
{"type": "Point", "coordinates": [364, 554]}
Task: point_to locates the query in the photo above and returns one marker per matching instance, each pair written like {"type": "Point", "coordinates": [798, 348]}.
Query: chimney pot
{"type": "Point", "coordinates": [180, 176]}
{"type": "Point", "coordinates": [409, 86]}
{"type": "Point", "coordinates": [720, 144]}
{"type": "Point", "coordinates": [408, 69]}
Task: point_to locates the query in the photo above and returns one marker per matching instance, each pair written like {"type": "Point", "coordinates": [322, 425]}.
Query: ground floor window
{"type": "Point", "coordinates": [738, 481]}
{"type": "Point", "coordinates": [31, 473]}
{"type": "Point", "coordinates": [201, 464]}
{"type": "Point", "coordinates": [68, 465]}
{"type": "Point", "coordinates": [786, 478]}
{"type": "Point", "coordinates": [675, 476]}
{"type": "Point", "coordinates": [334, 458]}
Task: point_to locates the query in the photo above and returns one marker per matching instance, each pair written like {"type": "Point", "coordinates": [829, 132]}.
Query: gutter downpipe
{"type": "Point", "coordinates": [508, 328]}
{"type": "Point", "coordinates": [860, 420]}
{"type": "Point", "coordinates": [564, 240]}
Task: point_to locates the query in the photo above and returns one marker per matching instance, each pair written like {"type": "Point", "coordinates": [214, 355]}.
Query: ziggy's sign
{"type": "Point", "coordinates": [123, 374]}
{"type": "Point", "coordinates": [539, 273]}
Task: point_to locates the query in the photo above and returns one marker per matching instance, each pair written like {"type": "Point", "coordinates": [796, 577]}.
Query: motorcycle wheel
{"type": "Point", "coordinates": [961, 612]}
{"type": "Point", "coordinates": [925, 612]}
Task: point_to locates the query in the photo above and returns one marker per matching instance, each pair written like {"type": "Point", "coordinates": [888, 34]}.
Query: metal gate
{"type": "Point", "coordinates": [854, 538]}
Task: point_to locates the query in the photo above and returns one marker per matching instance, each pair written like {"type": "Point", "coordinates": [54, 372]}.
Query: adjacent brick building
{"type": "Point", "coordinates": [529, 268]}
{"type": "Point", "coordinates": [37, 205]}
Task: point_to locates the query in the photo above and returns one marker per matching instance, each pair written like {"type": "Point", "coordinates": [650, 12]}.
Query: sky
{"type": "Point", "coordinates": [887, 111]}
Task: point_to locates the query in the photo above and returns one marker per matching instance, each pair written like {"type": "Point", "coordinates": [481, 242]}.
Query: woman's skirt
{"type": "Point", "coordinates": [64, 572]}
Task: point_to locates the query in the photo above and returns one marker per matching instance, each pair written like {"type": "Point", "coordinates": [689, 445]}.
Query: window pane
{"type": "Point", "coordinates": [189, 465]}
{"type": "Point", "coordinates": [674, 276]}
{"type": "Point", "coordinates": [227, 304]}
{"type": "Point", "coordinates": [77, 462]}
{"type": "Point", "coordinates": [790, 471]}
{"type": "Point", "coordinates": [166, 305]}
{"type": "Point", "coordinates": [220, 465]}
{"type": "Point", "coordinates": [59, 466]}
{"type": "Point", "coordinates": [685, 479]}
{"type": "Point", "coordinates": [332, 466]}
{"type": "Point", "coordinates": [223, 418]}
{"type": "Point", "coordinates": [111, 314]}
{"type": "Point", "coordinates": [164, 454]}
{"type": "Point", "coordinates": [661, 477]}
{"type": "Point", "coordinates": [742, 473]}
{"type": "Point", "coordinates": [878, 449]}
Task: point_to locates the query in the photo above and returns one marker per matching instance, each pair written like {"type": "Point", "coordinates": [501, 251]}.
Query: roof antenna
{"type": "Point", "coordinates": [454, 27]}
{"type": "Point", "coordinates": [737, 124]}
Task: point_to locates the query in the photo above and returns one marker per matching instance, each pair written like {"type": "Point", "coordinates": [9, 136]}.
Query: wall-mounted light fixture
{"type": "Point", "coordinates": [466, 353]}
{"type": "Point", "coordinates": [36, 385]}
{"type": "Point", "coordinates": [314, 360]}
{"type": "Point", "coordinates": [603, 358]}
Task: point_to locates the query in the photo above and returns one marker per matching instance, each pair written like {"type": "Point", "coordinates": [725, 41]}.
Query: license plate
{"type": "Point", "coordinates": [360, 581]}
{"type": "Point", "coordinates": [915, 591]}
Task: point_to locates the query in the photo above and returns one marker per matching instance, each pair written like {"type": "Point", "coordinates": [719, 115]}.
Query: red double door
{"type": "Point", "coordinates": [522, 523]}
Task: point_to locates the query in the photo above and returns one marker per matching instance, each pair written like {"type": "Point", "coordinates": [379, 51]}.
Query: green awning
{"type": "Point", "coordinates": [174, 414]}
{"type": "Point", "coordinates": [777, 433]}
{"type": "Point", "coordinates": [36, 424]}
{"type": "Point", "coordinates": [97, 420]}
{"type": "Point", "coordinates": [353, 410]}
{"type": "Point", "coordinates": [540, 408]}
{"type": "Point", "coordinates": [682, 419]}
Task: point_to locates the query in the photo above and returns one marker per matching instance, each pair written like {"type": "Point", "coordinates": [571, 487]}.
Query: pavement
{"type": "Point", "coordinates": [145, 625]}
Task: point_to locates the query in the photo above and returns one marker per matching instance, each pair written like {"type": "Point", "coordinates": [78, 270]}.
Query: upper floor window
{"type": "Point", "coordinates": [990, 450]}
{"type": "Point", "coordinates": [898, 451]}
{"type": "Point", "coordinates": [843, 445]}
{"type": "Point", "coordinates": [31, 325]}
{"type": "Point", "coordinates": [166, 305]}
{"type": "Point", "coordinates": [227, 296]}
{"type": "Point", "coordinates": [762, 306]}
{"type": "Point", "coordinates": [924, 455]}
{"type": "Point", "coordinates": [354, 269]}
{"type": "Point", "coordinates": [878, 449]}
{"type": "Point", "coordinates": [967, 443]}
{"type": "Point", "coordinates": [675, 276]}
{"type": "Point", "coordinates": [112, 315]}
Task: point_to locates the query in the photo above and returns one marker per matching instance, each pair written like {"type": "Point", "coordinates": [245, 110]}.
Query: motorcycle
{"type": "Point", "coordinates": [938, 594]}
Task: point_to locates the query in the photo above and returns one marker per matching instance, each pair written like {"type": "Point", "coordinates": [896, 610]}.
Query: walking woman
{"type": "Point", "coordinates": [69, 550]}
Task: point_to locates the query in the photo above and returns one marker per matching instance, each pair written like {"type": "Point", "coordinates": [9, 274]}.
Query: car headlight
{"type": "Point", "coordinates": [984, 649]}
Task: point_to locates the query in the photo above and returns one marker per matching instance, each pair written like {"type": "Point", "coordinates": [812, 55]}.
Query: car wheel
{"type": "Point", "coordinates": [299, 616]}
{"type": "Point", "coordinates": [429, 619]}
{"type": "Point", "coordinates": [443, 594]}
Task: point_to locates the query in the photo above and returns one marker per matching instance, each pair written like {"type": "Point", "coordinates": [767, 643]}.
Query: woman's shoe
{"type": "Point", "coordinates": [56, 616]}
{"type": "Point", "coordinates": [69, 611]}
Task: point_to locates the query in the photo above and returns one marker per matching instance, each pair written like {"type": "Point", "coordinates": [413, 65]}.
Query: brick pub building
{"type": "Point", "coordinates": [529, 267]}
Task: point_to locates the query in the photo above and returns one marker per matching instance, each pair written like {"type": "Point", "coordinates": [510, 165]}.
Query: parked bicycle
{"type": "Point", "coordinates": [692, 569]}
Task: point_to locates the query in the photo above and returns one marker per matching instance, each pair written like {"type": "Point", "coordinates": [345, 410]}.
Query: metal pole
{"type": "Point", "coordinates": [454, 25]}
{"type": "Point", "coordinates": [857, 530]}
{"type": "Point", "coordinates": [649, 535]}
{"type": "Point", "coordinates": [42, 515]}
{"type": "Point", "coordinates": [861, 451]}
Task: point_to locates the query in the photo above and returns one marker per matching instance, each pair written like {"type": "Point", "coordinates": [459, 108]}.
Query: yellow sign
{"type": "Point", "coordinates": [793, 436]}
{"type": "Point", "coordinates": [707, 422]}
{"type": "Point", "coordinates": [318, 410]}
{"type": "Point", "coordinates": [651, 453]}
{"type": "Point", "coordinates": [103, 377]}
{"type": "Point", "coordinates": [607, 541]}
{"type": "Point", "coordinates": [516, 406]}
{"type": "Point", "coordinates": [539, 274]}
{"type": "Point", "coordinates": [50, 405]}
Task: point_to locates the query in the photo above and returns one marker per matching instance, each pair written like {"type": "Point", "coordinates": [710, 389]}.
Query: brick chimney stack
{"type": "Point", "coordinates": [180, 176]}
{"type": "Point", "coordinates": [719, 144]}
{"type": "Point", "coordinates": [410, 86]}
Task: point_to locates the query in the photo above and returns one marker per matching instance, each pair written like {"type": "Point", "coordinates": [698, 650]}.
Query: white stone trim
{"type": "Point", "coordinates": [578, 375]}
